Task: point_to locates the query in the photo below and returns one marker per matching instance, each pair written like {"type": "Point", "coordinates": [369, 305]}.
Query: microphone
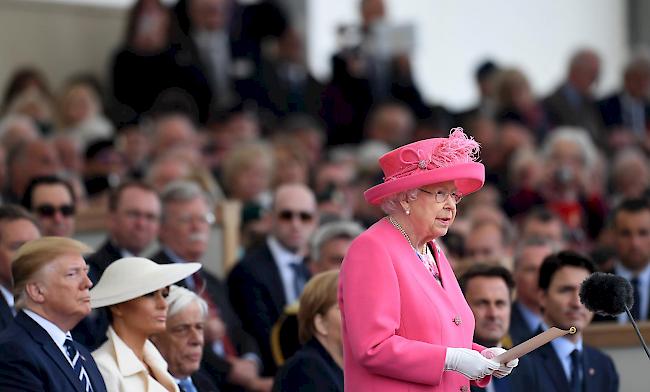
{"type": "Point", "coordinates": [610, 295]}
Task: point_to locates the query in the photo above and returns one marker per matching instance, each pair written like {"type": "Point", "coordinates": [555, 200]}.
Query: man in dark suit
{"type": "Point", "coordinates": [631, 229]}
{"type": "Point", "coordinates": [17, 226]}
{"type": "Point", "coordinates": [626, 114]}
{"type": "Point", "coordinates": [182, 343]}
{"type": "Point", "coordinates": [272, 275]}
{"type": "Point", "coordinates": [567, 364]}
{"type": "Point", "coordinates": [51, 287]}
{"type": "Point", "coordinates": [525, 316]}
{"type": "Point", "coordinates": [134, 214]}
{"type": "Point", "coordinates": [133, 222]}
{"type": "Point", "coordinates": [488, 291]}
{"type": "Point", "coordinates": [573, 102]}
{"type": "Point", "coordinates": [231, 355]}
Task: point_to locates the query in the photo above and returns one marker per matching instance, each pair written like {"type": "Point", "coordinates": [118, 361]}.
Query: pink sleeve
{"type": "Point", "coordinates": [370, 304]}
{"type": "Point", "coordinates": [485, 380]}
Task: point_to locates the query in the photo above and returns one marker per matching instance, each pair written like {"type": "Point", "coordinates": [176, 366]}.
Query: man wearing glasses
{"type": "Point", "coordinates": [51, 200]}
{"type": "Point", "coordinates": [272, 275]}
{"type": "Point", "coordinates": [185, 228]}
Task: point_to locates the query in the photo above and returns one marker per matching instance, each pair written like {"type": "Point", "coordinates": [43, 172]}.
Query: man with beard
{"type": "Point", "coordinates": [566, 363]}
{"type": "Point", "coordinates": [231, 355]}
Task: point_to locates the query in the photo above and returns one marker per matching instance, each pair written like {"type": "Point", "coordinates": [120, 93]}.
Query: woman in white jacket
{"type": "Point", "coordinates": [134, 289]}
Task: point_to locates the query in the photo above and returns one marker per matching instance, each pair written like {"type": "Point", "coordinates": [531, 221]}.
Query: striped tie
{"type": "Point", "coordinates": [78, 368]}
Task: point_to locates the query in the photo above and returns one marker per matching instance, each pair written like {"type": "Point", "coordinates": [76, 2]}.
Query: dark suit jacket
{"type": "Point", "coordinates": [312, 368]}
{"type": "Point", "coordinates": [611, 109]}
{"type": "Point", "coordinates": [584, 113]}
{"type": "Point", "coordinates": [102, 258]}
{"type": "Point", "coordinates": [31, 361]}
{"type": "Point", "coordinates": [257, 294]}
{"type": "Point", "coordinates": [6, 317]}
{"type": "Point", "coordinates": [547, 374]}
{"type": "Point", "coordinates": [202, 382]}
{"type": "Point", "coordinates": [515, 381]}
{"type": "Point", "coordinates": [212, 363]}
{"type": "Point", "coordinates": [519, 330]}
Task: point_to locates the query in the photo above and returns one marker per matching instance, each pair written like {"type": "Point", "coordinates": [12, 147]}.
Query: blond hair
{"type": "Point", "coordinates": [34, 255]}
{"type": "Point", "coordinates": [319, 295]}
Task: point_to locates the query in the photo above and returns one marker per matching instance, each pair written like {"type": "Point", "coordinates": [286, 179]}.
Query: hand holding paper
{"type": "Point", "coordinates": [532, 344]}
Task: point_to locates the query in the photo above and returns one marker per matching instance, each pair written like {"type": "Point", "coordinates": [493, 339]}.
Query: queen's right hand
{"type": "Point", "coordinates": [470, 363]}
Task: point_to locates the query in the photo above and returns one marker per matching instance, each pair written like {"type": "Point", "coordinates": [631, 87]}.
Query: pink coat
{"type": "Point", "coordinates": [397, 320]}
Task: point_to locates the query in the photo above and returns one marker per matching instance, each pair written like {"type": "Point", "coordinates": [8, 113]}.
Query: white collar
{"type": "Point", "coordinates": [643, 276]}
{"type": "Point", "coordinates": [55, 332]}
{"type": "Point", "coordinates": [283, 256]}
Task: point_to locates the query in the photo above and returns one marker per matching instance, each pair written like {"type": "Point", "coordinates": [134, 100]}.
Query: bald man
{"type": "Point", "coordinates": [272, 275]}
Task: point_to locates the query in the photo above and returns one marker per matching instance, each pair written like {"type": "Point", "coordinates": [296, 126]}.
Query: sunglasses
{"type": "Point", "coordinates": [288, 215]}
{"type": "Point", "coordinates": [48, 210]}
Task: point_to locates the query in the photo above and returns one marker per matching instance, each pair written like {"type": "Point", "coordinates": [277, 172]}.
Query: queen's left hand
{"type": "Point", "coordinates": [504, 369]}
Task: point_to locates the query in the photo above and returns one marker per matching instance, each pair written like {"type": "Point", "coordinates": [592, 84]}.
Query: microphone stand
{"type": "Point", "coordinates": [638, 332]}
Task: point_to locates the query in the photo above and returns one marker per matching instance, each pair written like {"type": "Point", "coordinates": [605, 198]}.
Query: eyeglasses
{"type": "Point", "coordinates": [48, 210]}
{"type": "Point", "coordinates": [288, 215]}
{"type": "Point", "coordinates": [442, 195]}
{"type": "Point", "coordinates": [207, 218]}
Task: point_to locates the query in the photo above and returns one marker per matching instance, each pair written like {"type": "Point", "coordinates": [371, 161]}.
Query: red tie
{"type": "Point", "coordinates": [213, 311]}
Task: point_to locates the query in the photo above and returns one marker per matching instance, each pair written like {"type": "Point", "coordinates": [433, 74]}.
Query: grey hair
{"type": "Point", "coordinates": [182, 191]}
{"type": "Point", "coordinates": [179, 298]}
{"type": "Point", "coordinates": [533, 242]}
{"type": "Point", "coordinates": [330, 231]}
{"type": "Point", "coordinates": [390, 204]}
{"type": "Point", "coordinates": [575, 135]}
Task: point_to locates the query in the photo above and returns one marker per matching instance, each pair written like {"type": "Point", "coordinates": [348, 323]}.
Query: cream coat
{"type": "Point", "coordinates": [123, 371]}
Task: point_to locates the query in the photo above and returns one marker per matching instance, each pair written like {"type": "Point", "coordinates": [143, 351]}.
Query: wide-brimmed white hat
{"type": "Point", "coordinates": [132, 277]}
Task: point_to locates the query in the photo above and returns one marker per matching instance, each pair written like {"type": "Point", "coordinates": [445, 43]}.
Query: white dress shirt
{"type": "Point", "coordinates": [283, 259]}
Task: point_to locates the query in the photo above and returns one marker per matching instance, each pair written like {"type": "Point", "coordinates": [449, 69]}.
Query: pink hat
{"type": "Point", "coordinates": [430, 161]}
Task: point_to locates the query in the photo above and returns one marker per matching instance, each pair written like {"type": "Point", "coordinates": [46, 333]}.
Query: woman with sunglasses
{"type": "Point", "coordinates": [134, 289]}
{"type": "Point", "coordinates": [406, 324]}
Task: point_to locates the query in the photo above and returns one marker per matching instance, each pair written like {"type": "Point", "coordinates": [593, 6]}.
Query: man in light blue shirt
{"type": "Point", "coordinates": [566, 364]}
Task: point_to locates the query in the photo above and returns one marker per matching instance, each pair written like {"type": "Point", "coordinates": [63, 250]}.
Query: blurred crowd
{"type": "Point", "coordinates": [208, 100]}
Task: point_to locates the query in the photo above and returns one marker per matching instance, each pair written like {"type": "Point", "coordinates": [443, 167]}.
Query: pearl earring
{"type": "Point", "coordinates": [408, 212]}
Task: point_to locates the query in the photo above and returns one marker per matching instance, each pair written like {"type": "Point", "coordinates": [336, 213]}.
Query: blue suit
{"type": "Point", "coordinates": [31, 361]}
{"type": "Point", "coordinates": [547, 374]}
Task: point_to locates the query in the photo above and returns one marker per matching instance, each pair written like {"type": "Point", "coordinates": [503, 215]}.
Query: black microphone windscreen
{"type": "Point", "coordinates": [606, 294]}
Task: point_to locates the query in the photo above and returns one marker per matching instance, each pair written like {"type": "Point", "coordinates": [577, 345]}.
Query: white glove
{"type": "Point", "coordinates": [503, 370]}
{"type": "Point", "coordinates": [469, 363]}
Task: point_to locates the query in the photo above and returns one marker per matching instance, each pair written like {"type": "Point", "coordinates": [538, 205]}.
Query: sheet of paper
{"type": "Point", "coordinates": [532, 344]}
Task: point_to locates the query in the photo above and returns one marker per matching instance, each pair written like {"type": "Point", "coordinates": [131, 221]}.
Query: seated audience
{"type": "Point", "coordinates": [51, 291]}
{"type": "Point", "coordinates": [134, 289]}
{"type": "Point", "coordinates": [17, 226]}
{"type": "Point", "coordinates": [318, 365]}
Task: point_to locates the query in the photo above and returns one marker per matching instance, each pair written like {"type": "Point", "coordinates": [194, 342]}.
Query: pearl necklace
{"type": "Point", "coordinates": [401, 230]}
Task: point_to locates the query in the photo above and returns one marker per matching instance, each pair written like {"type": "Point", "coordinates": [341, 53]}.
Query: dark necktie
{"type": "Point", "coordinates": [299, 278]}
{"type": "Point", "coordinates": [576, 364]}
{"type": "Point", "coordinates": [77, 366]}
{"type": "Point", "coordinates": [636, 306]}
{"type": "Point", "coordinates": [186, 385]}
